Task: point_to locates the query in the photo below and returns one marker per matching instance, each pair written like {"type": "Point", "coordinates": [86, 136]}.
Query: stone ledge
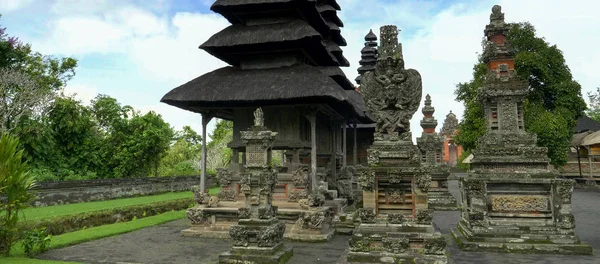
{"type": "Point", "coordinates": [281, 256]}
{"type": "Point", "coordinates": [521, 247]}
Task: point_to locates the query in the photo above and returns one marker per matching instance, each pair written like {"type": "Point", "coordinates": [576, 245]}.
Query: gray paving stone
{"type": "Point", "coordinates": [164, 244]}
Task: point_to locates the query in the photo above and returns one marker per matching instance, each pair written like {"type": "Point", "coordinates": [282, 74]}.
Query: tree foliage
{"type": "Point", "coordinates": [218, 154]}
{"type": "Point", "coordinates": [15, 186]}
{"type": "Point", "coordinates": [594, 106]}
{"type": "Point", "coordinates": [554, 102]}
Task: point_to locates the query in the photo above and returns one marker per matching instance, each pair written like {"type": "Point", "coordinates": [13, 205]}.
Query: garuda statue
{"type": "Point", "coordinates": [392, 93]}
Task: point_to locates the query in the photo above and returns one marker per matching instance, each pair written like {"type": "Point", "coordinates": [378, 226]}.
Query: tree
{"type": "Point", "coordinates": [554, 102]}
{"type": "Point", "coordinates": [15, 186]}
{"type": "Point", "coordinates": [139, 145]}
{"type": "Point", "coordinates": [20, 97]}
{"type": "Point", "coordinates": [594, 107]}
{"type": "Point", "coordinates": [218, 154]}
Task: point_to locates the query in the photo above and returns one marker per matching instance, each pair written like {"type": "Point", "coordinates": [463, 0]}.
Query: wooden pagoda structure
{"type": "Point", "coordinates": [284, 57]}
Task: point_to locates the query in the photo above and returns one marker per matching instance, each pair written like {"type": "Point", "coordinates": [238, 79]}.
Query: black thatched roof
{"type": "Point", "coordinates": [245, 11]}
{"type": "Point", "coordinates": [230, 87]}
{"type": "Point", "coordinates": [330, 14]}
{"type": "Point", "coordinates": [585, 123]}
{"type": "Point", "coordinates": [371, 36]}
{"type": "Point", "coordinates": [332, 3]}
{"type": "Point", "coordinates": [338, 76]}
{"type": "Point", "coordinates": [234, 40]}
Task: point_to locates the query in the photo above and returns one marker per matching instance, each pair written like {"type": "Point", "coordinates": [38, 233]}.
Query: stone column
{"type": "Point", "coordinates": [206, 117]}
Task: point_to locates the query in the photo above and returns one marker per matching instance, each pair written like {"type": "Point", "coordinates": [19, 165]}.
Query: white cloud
{"type": "Point", "coordinates": [176, 58]}
{"type": "Point", "coordinates": [13, 5]}
{"type": "Point", "coordinates": [81, 92]}
{"type": "Point", "coordinates": [441, 45]}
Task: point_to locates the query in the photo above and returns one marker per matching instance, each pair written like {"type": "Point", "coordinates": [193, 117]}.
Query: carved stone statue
{"type": "Point", "coordinates": [392, 93]}
{"type": "Point", "coordinates": [259, 120]}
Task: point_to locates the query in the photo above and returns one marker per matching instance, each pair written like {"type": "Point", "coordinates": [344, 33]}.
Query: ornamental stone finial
{"type": "Point", "coordinates": [389, 46]}
{"type": "Point", "coordinates": [259, 120]}
{"type": "Point", "coordinates": [497, 17]}
{"type": "Point", "coordinates": [428, 100]}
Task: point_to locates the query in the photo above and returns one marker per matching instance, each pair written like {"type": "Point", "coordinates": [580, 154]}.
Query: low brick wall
{"type": "Point", "coordinates": [573, 168]}
{"type": "Point", "coordinates": [65, 192]}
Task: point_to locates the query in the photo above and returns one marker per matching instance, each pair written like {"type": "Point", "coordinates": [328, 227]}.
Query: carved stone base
{"type": "Point", "coordinates": [314, 228]}
{"type": "Point", "coordinates": [529, 244]}
{"type": "Point", "coordinates": [518, 213]}
{"type": "Point", "coordinates": [409, 242]}
{"type": "Point", "coordinates": [443, 201]}
{"type": "Point", "coordinates": [249, 255]}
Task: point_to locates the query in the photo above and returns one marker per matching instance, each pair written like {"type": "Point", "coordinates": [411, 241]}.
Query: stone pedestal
{"type": "Point", "coordinates": [258, 235]}
{"type": "Point", "coordinates": [396, 223]}
{"type": "Point", "coordinates": [439, 196]}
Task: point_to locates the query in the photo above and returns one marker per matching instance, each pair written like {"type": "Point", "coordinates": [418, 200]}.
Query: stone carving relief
{"type": "Point", "coordinates": [396, 245]}
{"type": "Point", "coordinates": [300, 177]}
{"type": "Point", "coordinates": [200, 197]}
{"type": "Point", "coordinates": [197, 216]}
{"type": "Point", "coordinates": [224, 176]}
{"type": "Point", "coordinates": [366, 179]}
{"type": "Point", "coordinates": [239, 235]}
{"type": "Point", "coordinates": [243, 213]}
{"type": "Point", "coordinates": [423, 179]}
{"type": "Point", "coordinates": [394, 196]}
{"type": "Point", "coordinates": [314, 220]}
{"type": "Point", "coordinates": [227, 194]}
{"type": "Point", "coordinates": [271, 235]}
{"type": "Point", "coordinates": [564, 188]}
{"type": "Point", "coordinates": [435, 246]}
{"type": "Point", "coordinates": [267, 212]}
{"type": "Point", "coordinates": [520, 203]}
{"type": "Point", "coordinates": [259, 120]}
{"type": "Point", "coordinates": [297, 194]}
{"type": "Point", "coordinates": [392, 93]}
{"type": "Point", "coordinates": [424, 216]}
{"type": "Point", "coordinates": [367, 215]}
{"type": "Point", "coordinates": [395, 218]}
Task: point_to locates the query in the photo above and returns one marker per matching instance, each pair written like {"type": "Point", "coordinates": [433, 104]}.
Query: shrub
{"type": "Point", "coordinates": [36, 241]}
{"type": "Point", "coordinates": [15, 186]}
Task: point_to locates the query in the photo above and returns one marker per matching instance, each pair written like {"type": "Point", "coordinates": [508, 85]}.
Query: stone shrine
{"type": "Point", "coordinates": [396, 223]}
{"type": "Point", "coordinates": [431, 146]}
{"type": "Point", "coordinates": [258, 236]}
{"type": "Point", "coordinates": [511, 201]}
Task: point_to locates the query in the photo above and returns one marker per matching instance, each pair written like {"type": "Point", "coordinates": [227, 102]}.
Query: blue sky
{"type": "Point", "coordinates": [137, 50]}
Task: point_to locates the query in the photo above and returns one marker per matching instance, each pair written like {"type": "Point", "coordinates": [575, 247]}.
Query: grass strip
{"type": "Point", "coordinates": [98, 232]}
{"type": "Point", "coordinates": [35, 213]}
{"type": "Point", "coordinates": [20, 260]}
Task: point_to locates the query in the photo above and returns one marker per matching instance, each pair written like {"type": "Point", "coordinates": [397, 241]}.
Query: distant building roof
{"type": "Point", "coordinates": [585, 123]}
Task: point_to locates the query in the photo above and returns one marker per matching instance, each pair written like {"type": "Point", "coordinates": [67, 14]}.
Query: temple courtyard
{"type": "Point", "coordinates": [164, 243]}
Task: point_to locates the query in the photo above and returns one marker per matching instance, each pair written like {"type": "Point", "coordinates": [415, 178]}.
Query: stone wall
{"type": "Point", "coordinates": [573, 168]}
{"type": "Point", "coordinates": [65, 192]}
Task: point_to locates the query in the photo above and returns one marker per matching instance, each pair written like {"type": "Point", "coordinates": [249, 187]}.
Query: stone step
{"type": "Point", "coordinates": [333, 193]}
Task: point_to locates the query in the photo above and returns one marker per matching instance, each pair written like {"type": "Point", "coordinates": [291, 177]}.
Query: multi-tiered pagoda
{"type": "Point", "coordinates": [284, 57]}
{"type": "Point", "coordinates": [431, 146]}
{"type": "Point", "coordinates": [511, 201]}
{"type": "Point", "coordinates": [368, 56]}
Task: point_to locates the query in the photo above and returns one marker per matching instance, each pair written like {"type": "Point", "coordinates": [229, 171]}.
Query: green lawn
{"type": "Point", "coordinates": [34, 213]}
{"type": "Point", "coordinates": [98, 232]}
{"type": "Point", "coordinates": [20, 260]}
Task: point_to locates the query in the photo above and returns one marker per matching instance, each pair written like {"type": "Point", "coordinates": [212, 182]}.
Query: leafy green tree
{"type": "Point", "coordinates": [594, 107]}
{"type": "Point", "coordinates": [15, 186]}
{"type": "Point", "coordinates": [139, 145]}
{"type": "Point", "coordinates": [552, 106]}
{"type": "Point", "coordinates": [184, 154]}
{"type": "Point", "coordinates": [218, 154]}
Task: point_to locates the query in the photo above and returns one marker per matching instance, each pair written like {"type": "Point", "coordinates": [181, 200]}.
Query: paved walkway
{"type": "Point", "coordinates": [163, 244]}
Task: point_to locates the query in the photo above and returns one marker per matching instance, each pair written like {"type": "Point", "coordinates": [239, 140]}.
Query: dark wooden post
{"type": "Point", "coordinates": [312, 117]}
{"type": "Point", "coordinates": [344, 147]}
{"type": "Point", "coordinates": [354, 150]}
{"type": "Point", "coordinates": [206, 117]}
